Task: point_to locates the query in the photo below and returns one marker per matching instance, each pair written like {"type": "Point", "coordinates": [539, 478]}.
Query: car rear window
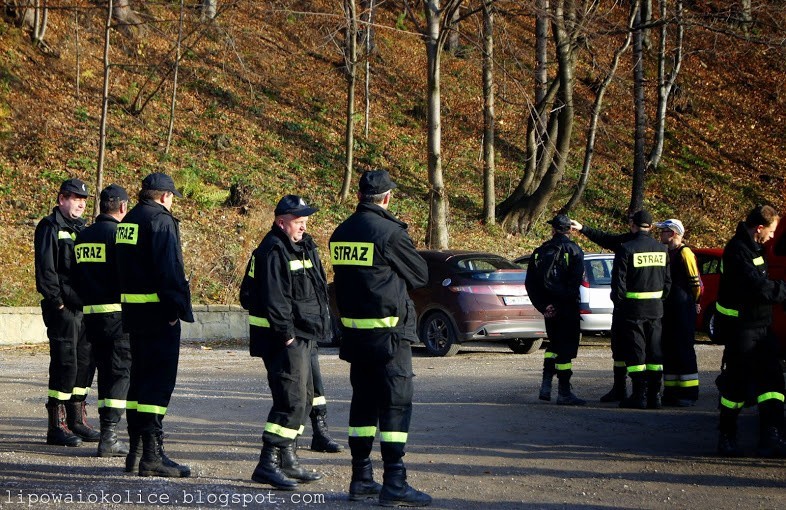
{"type": "Point", "coordinates": [490, 269]}
{"type": "Point", "coordinates": [598, 271]}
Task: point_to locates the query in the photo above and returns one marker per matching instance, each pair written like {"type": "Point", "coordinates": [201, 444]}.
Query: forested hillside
{"type": "Point", "coordinates": [260, 112]}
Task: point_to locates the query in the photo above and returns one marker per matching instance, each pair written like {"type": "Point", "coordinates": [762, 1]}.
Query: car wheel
{"type": "Point", "coordinates": [525, 345]}
{"type": "Point", "coordinates": [438, 335]}
{"type": "Point", "coordinates": [711, 322]}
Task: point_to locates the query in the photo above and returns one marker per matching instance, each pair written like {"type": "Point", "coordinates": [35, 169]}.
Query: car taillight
{"type": "Point", "coordinates": [585, 282]}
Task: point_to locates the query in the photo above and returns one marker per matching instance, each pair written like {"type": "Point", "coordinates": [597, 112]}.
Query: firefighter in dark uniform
{"type": "Point", "coordinates": [609, 241]}
{"type": "Point", "coordinates": [155, 297]}
{"type": "Point", "coordinates": [375, 263]}
{"type": "Point", "coordinates": [640, 281]}
{"type": "Point", "coordinates": [744, 314]}
{"type": "Point", "coordinates": [96, 280]}
{"type": "Point", "coordinates": [71, 367]}
{"type": "Point", "coordinates": [285, 293]}
{"type": "Point", "coordinates": [558, 301]}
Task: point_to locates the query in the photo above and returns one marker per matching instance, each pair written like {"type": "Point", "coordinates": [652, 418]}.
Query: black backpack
{"type": "Point", "coordinates": [549, 266]}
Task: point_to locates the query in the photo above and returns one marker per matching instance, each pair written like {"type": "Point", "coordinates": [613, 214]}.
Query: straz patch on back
{"type": "Point", "coordinates": [352, 254]}
{"type": "Point", "coordinates": [127, 233]}
{"type": "Point", "coordinates": [649, 259]}
{"type": "Point", "coordinates": [90, 252]}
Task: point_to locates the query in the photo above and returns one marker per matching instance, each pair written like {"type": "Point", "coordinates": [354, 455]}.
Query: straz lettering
{"type": "Point", "coordinates": [649, 259]}
{"type": "Point", "coordinates": [127, 233]}
{"type": "Point", "coordinates": [352, 254]}
{"type": "Point", "coordinates": [90, 252]}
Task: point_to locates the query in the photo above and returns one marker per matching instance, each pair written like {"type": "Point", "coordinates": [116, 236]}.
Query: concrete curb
{"type": "Point", "coordinates": [24, 325]}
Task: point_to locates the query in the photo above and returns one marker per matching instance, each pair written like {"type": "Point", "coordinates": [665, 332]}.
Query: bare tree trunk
{"type": "Point", "coordinates": [104, 111]}
{"type": "Point", "coordinates": [127, 21]}
{"type": "Point", "coordinates": [639, 158]}
{"type": "Point", "coordinates": [174, 80]}
{"type": "Point", "coordinates": [350, 59]}
{"type": "Point", "coordinates": [538, 117]}
{"type": "Point", "coordinates": [367, 77]}
{"type": "Point", "coordinates": [208, 9]}
{"type": "Point", "coordinates": [452, 43]}
{"type": "Point", "coordinates": [646, 19]}
{"type": "Point", "coordinates": [489, 198]}
{"type": "Point", "coordinates": [592, 130]}
{"type": "Point", "coordinates": [77, 51]}
{"type": "Point", "coordinates": [746, 17]}
{"type": "Point", "coordinates": [40, 18]}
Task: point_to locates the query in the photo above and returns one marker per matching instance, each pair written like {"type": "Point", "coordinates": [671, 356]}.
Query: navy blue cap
{"type": "Point", "coordinates": [642, 218]}
{"type": "Point", "coordinates": [560, 222]}
{"type": "Point", "coordinates": [375, 182]}
{"type": "Point", "coordinates": [75, 186]}
{"type": "Point", "coordinates": [114, 192]}
{"type": "Point", "coordinates": [160, 182]}
{"type": "Point", "coordinates": [294, 205]}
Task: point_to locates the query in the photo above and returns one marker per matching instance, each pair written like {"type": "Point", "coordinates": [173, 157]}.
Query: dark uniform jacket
{"type": "Point", "coordinates": [153, 283]}
{"type": "Point", "coordinates": [641, 277]}
{"type": "Point", "coordinates": [566, 288]}
{"type": "Point", "coordinates": [54, 258]}
{"type": "Point", "coordinates": [285, 292]}
{"type": "Point", "coordinates": [746, 294]}
{"type": "Point", "coordinates": [96, 274]}
{"type": "Point", "coordinates": [375, 263]}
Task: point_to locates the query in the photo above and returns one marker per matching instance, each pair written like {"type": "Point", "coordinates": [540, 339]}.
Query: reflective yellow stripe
{"type": "Point", "coordinates": [295, 265]}
{"type": "Point", "coordinates": [644, 295]}
{"type": "Point", "coordinates": [649, 259]}
{"type": "Point", "coordinates": [319, 401]}
{"type": "Point", "coordinates": [563, 366]}
{"type": "Point", "coordinates": [731, 405]}
{"type": "Point", "coordinates": [140, 298]}
{"type": "Point", "coordinates": [362, 431]}
{"type": "Point", "coordinates": [393, 437]}
{"type": "Point", "coordinates": [352, 254]}
{"type": "Point", "coordinates": [385, 322]}
{"type": "Point", "coordinates": [62, 234]}
{"type": "Point", "coordinates": [758, 261]}
{"type": "Point", "coordinates": [301, 430]}
{"type": "Point", "coordinates": [59, 395]}
{"type": "Point", "coordinates": [132, 404]}
{"type": "Point", "coordinates": [260, 322]}
{"type": "Point", "coordinates": [726, 311]}
{"type": "Point", "coordinates": [150, 409]}
{"type": "Point", "coordinates": [252, 266]}
{"type": "Point", "coordinates": [549, 354]}
{"type": "Point", "coordinates": [81, 391]}
{"type": "Point", "coordinates": [772, 395]}
{"type": "Point", "coordinates": [114, 403]}
{"type": "Point", "coordinates": [619, 364]}
{"type": "Point", "coordinates": [101, 308]}
{"type": "Point", "coordinates": [688, 384]}
{"type": "Point", "coordinates": [90, 252]}
{"type": "Point", "coordinates": [637, 368]}
{"type": "Point", "coordinates": [127, 233]}
{"type": "Point", "coordinates": [670, 383]}
{"type": "Point", "coordinates": [278, 430]}
{"type": "Point", "coordinates": [654, 368]}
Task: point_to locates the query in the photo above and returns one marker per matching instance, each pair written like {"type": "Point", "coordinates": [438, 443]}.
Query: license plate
{"type": "Point", "coordinates": [516, 300]}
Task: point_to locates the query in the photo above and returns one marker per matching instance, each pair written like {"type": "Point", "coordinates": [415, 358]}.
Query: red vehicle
{"type": "Point", "coordinates": [709, 262]}
{"type": "Point", "coordinates": [775, 251]}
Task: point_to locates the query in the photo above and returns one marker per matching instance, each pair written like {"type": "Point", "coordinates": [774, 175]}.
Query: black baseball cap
{"type": "Point", "coordinates": [642, 218]}
{"type": "Point", "coordinates": [160, 182]}
{"type": "Point", "coordinates": [114, 192]}
{"type": "Point", "coordinates": [75, 186]}
{"type": "Point", "coordinates": [375, 182]}
{"type": "Point", "coordinates": [294, 205]}
{"type": "Point", "coordinates": [560, 222]}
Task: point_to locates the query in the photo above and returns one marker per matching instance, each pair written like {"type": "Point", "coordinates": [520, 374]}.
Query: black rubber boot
{"type": "Point", "coordinates": [134, 452]}
{"type": "Point", "coordinates": [637, 398]}
{"type": "Point", "coordinates": [545, 385]}
{"type": "Point", "coordinates": [151, 463]}
{"type": "Point", "coordinates": [654, 380]}
{"type": "Point", "coordinates": [76, 417]}
{"type": "Point", "coordinates": [565, 395]}
{"type": "Point", "coordinates": [771, 444]}
{"type": "Point", "coordinates": [291, 467]}
{"type": "Point", "coordinates": [619, 391]}
{"type": "Point", "coordinates": [321, 441]}
{"type": "Point", "coordinates": [268, 471]}
{"type": "Point", "coordinates": [57, 432]}
{"type": "Point", "coordinates": [108, 445]}
{"type": "Point", "coordinates": [397, 492]}
{"type": "Point", "coordinates": [727, 438]}
{"type": "Point", "coordinates": [363, 486]}
{"type": "Point", "coordinates": [185, 471]}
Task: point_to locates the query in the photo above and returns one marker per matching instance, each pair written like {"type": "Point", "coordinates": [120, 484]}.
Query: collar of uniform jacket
{"type": "Point", "coordinates": [742, 232]}
{"type": "Point", "coordinates": [77, 224]}
{"type": "Point", "coordinates": [306, 243]}
{"type": "Point", "coordinates": [374, 208]}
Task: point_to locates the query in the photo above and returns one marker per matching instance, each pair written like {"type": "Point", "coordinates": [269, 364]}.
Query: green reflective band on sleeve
{"type": "Point", "coordinates": [393, 437]}
{"type": "Point", "coordinates": [259, 322]}
{"type": "Point", "coordinates": [362, 431]}
{"type": "Point", "coordinates": [649, 259]}
{"type": "Point", "coordinates": [644, 295]}
{"type": "Point", "coordinates": [688, 384]}
{"type": "Point", "coordinates": [87, 309]}
{"type": "Point", "coordinates": [62, 234]}
{"type": "Point", "coordinates": [731, 405]}
{"type": "Point", "coordinates": [770, 395]}
{"type": "Point", "coordinates": [637, 368]}
{"type": "Point", "coordinates": [132, 404]}
{"type": "Point", "coordinates": [654, 368]}
{"type": "Point", "coordinates": [252, 267]}
{"type": "Point", "coordinates": [563, 366]}
{"type": "Point", "coordinates": [81, 391]}
{"type": "Point", "coordinates": [150, 409]}
{"type": "Point", "coordinates": [140, 298]}
{"type": "Point", "coordinates": [385, 322]}
{"type": "Point", "coordinates": [301, 430]}
{"type": "Point", "coordinates": [670, 383]}
{"type": "Point", "coordinates": [619, 364]}
{"type": "Point", "coordinates": [90, 252]}
{"type": "Point", "coordinates": [127, 233]}
{"type": "Point", "coordinates": [758, 261]}
{"type": "Point", "coordinates": [319, 401]}
{"type": "Point", "coordinates": [59, 395]}
{"type": "Point", "coordinates": [278, 430]}
{"type": "Point", "coordinates": [726, 311]}
{"type": "Point", "coordinates": [549, 354]}
{"type": "Point", "coordinates": [295, 265]}
{"type": "Point", "coordinates": [114, 403]}
{"type": "Point", "coordinates": [352, 254]}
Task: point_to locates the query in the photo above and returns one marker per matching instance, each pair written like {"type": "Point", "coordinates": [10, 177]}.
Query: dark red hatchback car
{"type": "Point", "coordinates": [475, 296]}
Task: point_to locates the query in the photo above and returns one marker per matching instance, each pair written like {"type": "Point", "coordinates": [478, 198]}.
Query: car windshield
{"type": "Point", "coordinates": [490, 269]}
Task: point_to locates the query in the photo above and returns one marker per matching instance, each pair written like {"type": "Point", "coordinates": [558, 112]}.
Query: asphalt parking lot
{"type": "Point", "coordinates": [480, 439]}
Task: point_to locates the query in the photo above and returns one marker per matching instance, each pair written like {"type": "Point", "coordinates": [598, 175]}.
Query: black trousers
{"type": "Point", "coordinates": [680, 369]}
{"type": "Point", "coordinates": [564, 332]}
{"type": "Point", "coordinates": [291, 386]}
{"type": "Point", "coordinates": [71, 367]}
{"type": "Point", "coordinates": [640, 340]}
{"type": "Point", "coordinates": [381, 394]}
{"type": "Point", "coordinates": [319, 403]}
{"type": "Point", "coordinates": [155, 352]}
{"type": "Point", "coordinates": [112, 352]}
